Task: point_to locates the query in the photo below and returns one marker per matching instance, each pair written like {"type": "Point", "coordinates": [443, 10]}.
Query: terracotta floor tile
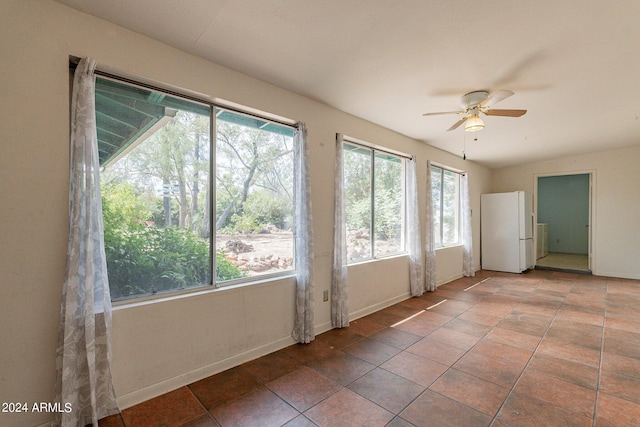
{"type": "Point", "coordinates": [386, 389]}
{"type": "Point", "coordinates": [223, 387]}
{"type": "Point", "coordinates": [171, 409]}
{"type": "Point", "coordinates": [272, 366]}
{"type": "Point", "coordinates": [396, 338]}
{"type": "Point", "coordinates": [514, 339]}
{"type": "Point", "coordinates": [303, 388]}
{"type": "Point", "coordinates": [365, 327]}
{"type": "Point", "coordinates": [454, 338]}
{"type": "Point", "coordinates": [622, 343]}
{"type": "Point", "coordinates": [479, 317]}
{"type": "Point", "coordinates": [624, 321]}
{"type": "Point", "coordinates": [206, 420]}
{"type": "Point", "coordinates": [468, 327]}
{"type": "Point", "coordinates": [259, 407]}
{"type": "Point", "coordinates": [385, 319]}
{"type": "Point", "coordinates": [574, 353]}
{"type": "Point", "coordinates": [372, 351]}
{"type": "Point", "coordinates": [494, 309]}
{"type": "Point", "coordinates": [541, 309]}
{"type": "Point", "coordinates": [526, 411]}
{"type": "Point", "coordinates": [503, 352]}
{"type": "Point", "coordinates": [568, 312]}
{"type": "Point", "coordinates": [622, 303]}
{"type": "Point", "coordinates": [452, 308]}
{"type": "Point", "coordinates": [433, 409]}
{"type": "Point", "coordinates": [622, 386]}
{"type": "Point", "coordinates": [571, 397]}
{"type": "Point", "coordinates": [331, 412]}
{"type": "Point", "coordinates": [300, 421]}
{"type": "Point", "coordinates": [339, 338]}
{"type": "Point", "coordinates": [434, 318]}
{"type": "Point", "coordinates": [437, 351]}
{"type": "Point", "coordinates": [526, 323]}
{"type": "Point", "coordinates": [401, 310]}
{"type": "Point", "coordinates": [586, 300]}
{"type": "Point", "coordinates": [341, 367]}
{"type": "Point", "coordinates": [425, 300]}
{"type": "Point", "coordinates": [626, 287]}
{"type": "Point", "coordinates": [621, 364]}
{"type": "Point", "coordinates": [472, 391]}
{"type": "Point", "coordinates": [307, 353]}
{"type": "Point", "coordinates": [556, 286]}
{"type": "Point", "coordinates": [415, 368]}
{"type": "Point", "coordinates": [616, 412]}
{"type": "Point", "coordinates": [566, 370]}
{"type": "Point", "coordinates": [399, 422]}
{"type": "Point", "coordinates": [418, 325]}
{"type": "Point", "coordinates": [546, 298]}
{"type": "Point", "coordinates": [471, 297]}
{"type": "Point", "coordinates": [580, 336]}
{"type": "Point", "coordinates": [496, 371]}
{"type": "Point", "coordinates": [577, 327]}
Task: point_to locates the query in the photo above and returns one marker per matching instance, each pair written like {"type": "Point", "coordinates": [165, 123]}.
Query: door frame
{"type": "Point", "coordinates": [592, 209]}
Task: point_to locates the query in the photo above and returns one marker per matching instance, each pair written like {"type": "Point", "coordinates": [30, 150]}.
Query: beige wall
{"type": "Point", "coordinates": [160, 345]}
{"type": "Point", "coordinates": [615, 198]}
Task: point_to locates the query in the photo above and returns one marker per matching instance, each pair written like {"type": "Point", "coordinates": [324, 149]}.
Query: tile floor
{"type": "Point", "coordinates": [536, 349]}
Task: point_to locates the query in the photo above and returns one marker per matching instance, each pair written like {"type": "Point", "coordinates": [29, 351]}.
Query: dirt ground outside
{"type": "Point", "coordinates": [261, 253]}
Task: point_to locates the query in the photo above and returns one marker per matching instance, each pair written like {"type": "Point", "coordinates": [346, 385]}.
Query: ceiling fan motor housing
{"type": "Point", "coordinates": [473, 99]}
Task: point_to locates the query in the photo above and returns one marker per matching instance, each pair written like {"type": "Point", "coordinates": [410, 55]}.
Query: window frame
{"type": "Point", "coordinates": [440, 215]}
{"type": "Point", "coordinates": [215, 108]}
{"type": "Point", "coordinates": [374, 149]}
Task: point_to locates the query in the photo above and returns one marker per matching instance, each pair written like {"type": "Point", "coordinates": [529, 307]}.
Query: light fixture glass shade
{"type": "Point", "coordinates": [474, 124]}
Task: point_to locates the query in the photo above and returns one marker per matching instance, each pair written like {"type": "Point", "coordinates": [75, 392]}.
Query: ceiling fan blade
{"type": "Point", "coordinates": [457, 124]}
{"type": "Point", "coordinates": [505, 113]}
{"type": "Point", "coordinates": [441, 113]}
{"type": "Point", "coordinates": [496, 97]}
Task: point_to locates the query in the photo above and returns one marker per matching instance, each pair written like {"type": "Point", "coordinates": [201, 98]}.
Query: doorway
{"type": "Point", "coordinates": [563, 234]}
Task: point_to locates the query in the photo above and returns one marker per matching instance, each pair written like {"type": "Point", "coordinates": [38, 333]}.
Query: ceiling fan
{"type": "Point", "coordinates": [479, 102]}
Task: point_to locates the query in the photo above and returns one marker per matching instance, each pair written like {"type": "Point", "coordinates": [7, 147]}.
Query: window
{"type": "Point", "coordinates": [445, 191]}
{"type": "Point", "coordinates": [374, 202]}
{"type": "Point", "coordinates": [166, 228]}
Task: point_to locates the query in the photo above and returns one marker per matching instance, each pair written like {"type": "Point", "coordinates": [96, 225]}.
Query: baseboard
{"type": "Point", "coordinates": [155, 390]}
{"type": "Point", "coordinates": [449, 279]}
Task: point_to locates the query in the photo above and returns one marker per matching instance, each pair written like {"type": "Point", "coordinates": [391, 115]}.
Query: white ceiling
{"type": "Point", "coordinates": [574, 64]}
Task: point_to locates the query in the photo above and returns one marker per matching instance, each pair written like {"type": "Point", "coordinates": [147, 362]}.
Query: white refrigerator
{"type": "Point", "coordinates": [506, 231]}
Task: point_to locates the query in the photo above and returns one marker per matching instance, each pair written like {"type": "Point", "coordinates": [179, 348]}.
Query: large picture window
{"type": "Point", "coordinates": [374, 202]}
{"type": "Point", "coordinates": [445, 190]}
{"type": "Point", "coordinates": [166, 227]}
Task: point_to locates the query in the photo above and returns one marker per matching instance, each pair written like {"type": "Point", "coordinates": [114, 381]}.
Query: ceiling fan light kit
{"type": "Point", "coordinates": [474, 124]}
{"type": "Point", "coordinates": [476, 102]}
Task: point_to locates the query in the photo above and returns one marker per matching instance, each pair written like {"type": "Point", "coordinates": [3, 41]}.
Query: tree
{"type": "Point", "coordinates": [246, 159]}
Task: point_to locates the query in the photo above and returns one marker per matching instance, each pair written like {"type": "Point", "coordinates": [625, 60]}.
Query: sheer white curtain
{"type": "Point", "coordinates": [339, 285]}
{"type": "Point", "coordinates": [303, 329]}
{"type": "Point", "coordinates": [467, 233]}
{"type": "Point", "coordinates": [430, 245]}
{"type": "Point", "coordinates": [414, 243]}
{"type": "Point", "coordinates": [83, 372]}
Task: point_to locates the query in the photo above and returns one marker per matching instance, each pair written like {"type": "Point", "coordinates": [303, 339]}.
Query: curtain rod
{"type": "Point", "coordinates": [74, 60]}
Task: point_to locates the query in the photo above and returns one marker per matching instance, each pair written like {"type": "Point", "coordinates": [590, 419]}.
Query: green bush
{"type": "Point", "coordinates": [226, 270]}
{"type": "Point", "coordinates": [145, 259]}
